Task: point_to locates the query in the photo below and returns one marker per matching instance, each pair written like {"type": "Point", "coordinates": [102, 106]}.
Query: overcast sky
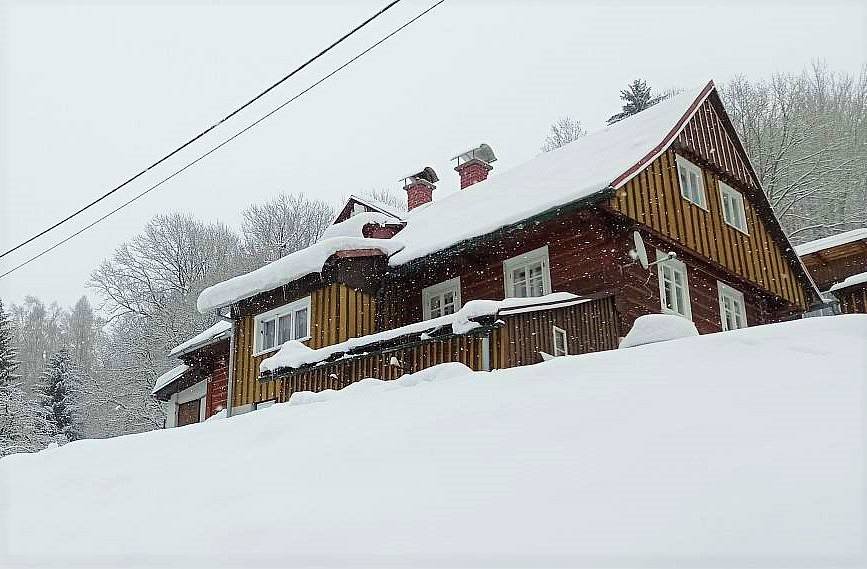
{"type": "Point", "coordinates": [91, 93]}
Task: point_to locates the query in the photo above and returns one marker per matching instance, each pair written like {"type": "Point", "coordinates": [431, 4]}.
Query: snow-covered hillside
{"type": "Point", "coordinates": [735, 449]}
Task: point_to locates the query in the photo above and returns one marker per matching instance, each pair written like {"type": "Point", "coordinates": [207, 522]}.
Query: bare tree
{"type": "Point", "coordinates": [395, 201]}
{"type": "Point", "coordinates": [283, 225]}
{"type": "Point", "coordinates": [806, 135]}
{"type": "Point", "coordinates": [562, 132]}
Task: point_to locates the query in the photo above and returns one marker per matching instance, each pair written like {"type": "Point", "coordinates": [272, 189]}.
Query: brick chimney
{"type": "Point", "coordinates": [474, 165]}
{"type": "Point", "coordinates": [419, 187]}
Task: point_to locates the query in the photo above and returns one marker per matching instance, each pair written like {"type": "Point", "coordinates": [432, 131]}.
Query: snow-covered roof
{"type": "Point", "coordinates": [572, 172]}
{"type": "Point", "coordinates": [216, 332]}
{"type": "Point", "coordinates": [169, 377]}
{"type": "Point", "coordinates": [853, 280]}
{"type": "Point", "coordinates": [286, 269]}
{"type": "Point", "coordinates": [832, 241]}
{"type": "Point", "coordinates": [294, 354]}
{"type": "Point", "coordinates": [377, 205]}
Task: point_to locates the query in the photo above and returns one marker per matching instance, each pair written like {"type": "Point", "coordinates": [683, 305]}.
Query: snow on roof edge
{"type": "Point", "coordinates": [852, 280]}
{"type": "Point", "coordinates": [169, 377]}
{"type": "Point", "coordinates": [831, 241]}
{"type": "Point", "coordinates": [203, 338]}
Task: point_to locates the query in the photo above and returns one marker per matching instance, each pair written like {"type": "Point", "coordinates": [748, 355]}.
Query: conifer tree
{"type": "Point", "coordinates": [58, 388]}
{"type": "Point", "coordinates": [15, 424]}
{"type": "Point", "coordinates": [636, 97]}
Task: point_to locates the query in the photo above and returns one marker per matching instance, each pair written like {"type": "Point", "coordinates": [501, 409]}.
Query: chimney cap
{"type": "Point", "coordinates": [481, 152]}
{"type": "Point", "coordinates": [426, 175]}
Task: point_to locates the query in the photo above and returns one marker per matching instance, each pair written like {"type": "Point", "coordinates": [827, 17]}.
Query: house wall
{"type": "Point", "coordinates": [653, 199]}
{"type": "Point", "coordinates": [589, 255]}
{"type": "Point", "coordinates": [516, 341]}
{"type": "Point", "coordinates": [853, 300]}
{"type": "Point", "coordinates": [337, 312]}
{"type": "Point", "coordinates": [218, 386]}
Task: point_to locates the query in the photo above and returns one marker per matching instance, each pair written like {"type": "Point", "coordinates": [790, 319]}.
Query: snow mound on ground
{"type": "Point", "coordinates": [652, 328]}
{"type": "Point", "coordinates": [737, 449]}
{"type": "Point", "coordinates": [373, 386]}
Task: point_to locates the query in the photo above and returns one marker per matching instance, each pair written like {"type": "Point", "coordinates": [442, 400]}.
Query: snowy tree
{"type": "Point", "coordinates": [562, 132]}
{"type": "Point", "coordinates": [396, 201]}
{"type": "Point", "coordinates": [57, 397]}
{"type": "Point", "coordinates": [38, 333]}
{"type": "Point", "coordinates": [806, 135]}
{"type": "Point", "coordinates": [637, 97]}
{"type": "Point", "coordinates": [283, 225]}
{"type": "Point", "coordinates": [15, 431]}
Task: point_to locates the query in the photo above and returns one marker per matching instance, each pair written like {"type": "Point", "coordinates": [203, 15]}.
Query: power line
{"type": "Point", "coordinates": [228, 140]}
{"type": "Point", "coordinates": [204, 132]}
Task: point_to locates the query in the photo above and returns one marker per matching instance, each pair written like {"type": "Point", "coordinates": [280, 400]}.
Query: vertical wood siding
{"type": "Point", "coordinates": [653, 199]}
{"type": "Point", "coordinates": [337, 313]}
{"type": "Point", "coordinates": [590, 327]}
{"type": "Point", "coordinates": [853, 300]}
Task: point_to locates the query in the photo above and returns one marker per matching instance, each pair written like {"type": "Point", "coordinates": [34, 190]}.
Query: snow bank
{"type": "Point", "coordinates": [744, 448]}
{"type": "Point", "coordinates": [652, 328]}
{"type": "Point", "coordinates": [294, 354]}
{"type": "Point", "coordinates": [852, 280]}
{"type": "Point", "coordinates": [552, 179]}
{"type": "Point", "coordinates": [218, 330]}
{"type": "Point", "coordinates": [285, 270]}
{"type": "Point", "coordinates": [832, 241]}
{"type": "Point", "coordinates": [169, 377]}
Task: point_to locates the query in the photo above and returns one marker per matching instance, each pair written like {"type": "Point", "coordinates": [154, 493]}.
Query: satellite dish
{"type": "Point", "coordinates": [639, 252]}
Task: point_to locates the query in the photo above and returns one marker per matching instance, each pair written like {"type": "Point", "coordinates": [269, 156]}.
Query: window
{"type": "Point", "coordinates": [561, 345]}
{"type": "Point", "coordinates": [289, 322]}
{"type": "Point", "coordinates": [528, 274]}
{"type": "Point", "coordinates": [264, 404]}
{"type": "Point", "coordinates": [673, 286]}
{"type": "Point", "coordinates": [691, 182]}
{"type": "Point", "coordinates": [188, 413]}
{"type": "Point", "coordinates": [441, 299]}
{"type": "Point", "coordinates": [733, 207]}
{"type": "Point", "coordinates": [732, 310]}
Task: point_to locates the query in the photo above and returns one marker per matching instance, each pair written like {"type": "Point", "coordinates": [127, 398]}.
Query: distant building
{"type": "Point", "coordinates": [196, 389]}
{"type": "Point", "coordinates": [838, 264]}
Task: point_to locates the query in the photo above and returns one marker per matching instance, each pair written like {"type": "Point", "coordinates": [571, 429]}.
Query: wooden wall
{"type": "Point", "coordinates": [590, 327]}
{"type": "Point", "coordinates": [653, 199]}
{"type": "Point", "coordinates": [853, 300]}
{"type": "Point", "coordinates": [338, 313]}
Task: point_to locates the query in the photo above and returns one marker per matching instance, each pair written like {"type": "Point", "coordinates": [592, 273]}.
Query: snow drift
{"type": "Point", "coordinates": [733, 449]}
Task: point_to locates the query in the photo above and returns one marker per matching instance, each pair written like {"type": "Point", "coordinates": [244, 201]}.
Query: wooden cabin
{"type": "Point", "coordinates": [197, 388]}
{"type": "Point", "coordinates": [838, 264]}
{"type": "Point", "coordinates": [479, 276]}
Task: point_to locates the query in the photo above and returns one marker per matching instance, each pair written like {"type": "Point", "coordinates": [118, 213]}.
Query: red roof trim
{"type": "Point", "coordinates": [672, 134]}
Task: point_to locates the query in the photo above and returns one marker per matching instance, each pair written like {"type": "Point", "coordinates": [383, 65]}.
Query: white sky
{"type": "Point", "coordinates": [91, 93]}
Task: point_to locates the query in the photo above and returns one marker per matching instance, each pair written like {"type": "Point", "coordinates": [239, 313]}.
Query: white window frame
{"type": "Point", "coordinates": [737, 200]}
{"type": "Point", "coordinates": [523, 261]}
{"type": "Point", "coordinates": [557, 331]}
{"type": "Point", "coordinates": [690, 168]}
{"type": "Point", "coordinates": [723, 291]}
{"type": "Point", "coordinates": [264, 404]}
{"type": "Point", "coordinates": [676, 265]}
{"type": "Point", "coordinates": [274, 314]}
{"type": "Point", "coordinates": [440, 289]}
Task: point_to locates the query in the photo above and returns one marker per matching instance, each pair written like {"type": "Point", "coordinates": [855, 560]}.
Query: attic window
{"type": "Point", "coordinates": [733, 207]}
{"type": "Point", "coordinates": [691, 182]}
{"type": "Point", "coordinates": [278, 326]}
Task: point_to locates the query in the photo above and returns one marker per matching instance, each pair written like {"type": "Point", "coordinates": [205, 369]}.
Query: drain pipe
{"type": "Point", "coordinates": [231, 372]}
